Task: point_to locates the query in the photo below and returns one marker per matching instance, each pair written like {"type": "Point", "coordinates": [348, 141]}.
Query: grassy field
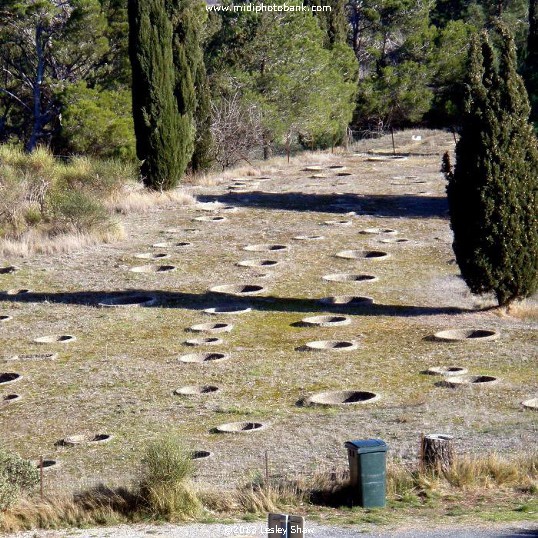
{"type": "Point", "coordinates": [118, 377]}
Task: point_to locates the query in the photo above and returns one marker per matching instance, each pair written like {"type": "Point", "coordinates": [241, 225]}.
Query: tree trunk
{"type": "Point", "coordinates": [437, 452]}
{"type": "Point", "coordinates": [36, 90]}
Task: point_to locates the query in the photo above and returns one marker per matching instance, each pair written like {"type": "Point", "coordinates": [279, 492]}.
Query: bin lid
{"type": "Point", "coordinates": [363, 446]}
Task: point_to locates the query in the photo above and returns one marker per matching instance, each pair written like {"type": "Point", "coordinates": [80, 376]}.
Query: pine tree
{"type": "Point", "coordinates": [493, 192]}
{"type": "Point", "coordinates": [160, 129]}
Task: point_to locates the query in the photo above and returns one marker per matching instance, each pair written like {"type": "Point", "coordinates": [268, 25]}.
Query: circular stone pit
{"type": "Point", "coordinates": [5, 318]}
{"type": "Point", "coordinates": [362, 254]}
{"type": "Point", "coordinates": [325, 321]}
{"type": "Point", "coordinates": [331, 345]}
{"type": "Point", "coordinates": [203, 357]}
{"type": "Point", "coordinates": [466, 335]}
{"type": "Point", "coordinates": [211, 327]}
{"type": "Point", "coordinates": [240, 427]}
{"type": "Point", "coordinates": [308, 237]}
{"type": "Point", "coordinates": [446, 370]}
{"type": "Point", "coordinates": [22, 291]}
{"type": "Point", "coordinates": [468, 380]}
{"type": "Point", "coordinates": [9, 399]}
{"type": "Point", "coordinates": [82, 439]}
{"type": "Point", "coordinates": [264, 247]}
{"type": "Point", "coordinates": [394, 240]}
{"type": "Point", "coordinates": [531, 404]}
{"type": "Point", "coordinates": [348, 277]}
{"type": "Point", "coordinates": [349, 301]}
{"type": "Point", "coordinates": [206, 218]}
{"type": "Point", "coordinates": [153, 268]}
{"type": "Point", "coordinates": [338, 222]}
{"type": "Point", "coordinates": [55, 339]}
{"type": "Point", "coordinates": [238, 289]}
{"type": "Point", "coordinates": [9, 377]}
{"type": "Point", "coordinates": [210, 341]}
{"type": "Point", "coordinates": [342, 397]}
{"type": "Point", "coordinates": [257, 263]}
{"type": "Point", "coordinates": [377, 231]}
{"type": "Point", "coordinates": [181, 244]}
{"type": "Point", "coordinates": [8, 270]}
{"type": "Point", "coordinates": [128, 301]}
{"type": "Point", "coordinates": [46, 464]}
{"type": "Point", "coordinates": [200, 454]}
{"type": "Point", "coordinates": [33, 357]}
{"type": "Point", "coordinates": [196, 390]}
{"type": "Point", "coordinates": [227, 310]}
{"type": "Point", "coordinates": [152, 256]}
{"type": "Point", "coordinates": [312, 168]}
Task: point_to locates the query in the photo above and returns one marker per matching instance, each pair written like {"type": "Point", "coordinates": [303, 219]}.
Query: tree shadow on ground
{"type": "Point", "coordinates": [194, 301]}
{"type": "Point", "coordinates": [382, 205]}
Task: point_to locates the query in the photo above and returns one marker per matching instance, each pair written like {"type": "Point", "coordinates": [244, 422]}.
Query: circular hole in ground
{"type": "Point", "coordinates": [347, 300]}
{"type": "Point", "coordinates": [446, 370]}
{"type": "Point", "coordinates": [211, 341]}
{"type": "Point", "coordinates": [238, 289]}
{"type": "Point", "coordinates": [240, 427]}
{"type": "Point", "coordinates": [331, 345]}
{"type": "Point", "coordinates": [466, 335]}
{"type": "Point", "coordinates": [338, 222]}
{"type": "Point", "coordinates": [266, 248]}
{"type": "Point", "coordinates": [342, 397]}
{"type": "Point", "coordinates": [5, 318]}
{"type": "Point", "coordinates": [8, 269]}
{"type": "Point", "coordinates": [376, 231]}
{"type": "Point", "coordinates": [326, 321]}
{"type": "Point", "coordinates": [308, 237]}
{"type": "Point", "coordinates": [349, 277]}
{"type": "Point", "coordinates": [101, 438]}
{"type": "Point", "coordinates": [312, 168]}
{"type": "Point", "coordinates": [47, 464]}
{"type": "Point", "coordinates": [180, 244]}
{"type": "Point", "coordinates": [212, 327]}
{"type": "Point", "coordinates": [55, 339]}
{"type": "Point", "coordinates": [231, 310]}
{"type": "Point", "coordinates": [153, 268]}
{"type": "Point", "coordinates": [257, 263]}
{"type": "Point", "coordinates": [21, 291]}
{"type": "Point", "coordinates": [152, 256]}
{"type": "Point", "coordinates": [196, 390]}
{"type": "Point", "coordinates": [200, 454]}
{"type": "Point", "coordinates": [127, 301]}
{"type": "Point", "coordinates": [9, 398]}
{"type": "Point", "coordinates": [209, 218]}
{"type": "Point", "coordinates": [530, 404]}
{"type": "Point", "coordinates": [33, 357]}
{"type": "Point", "coordinates": [394, 240]}
{"type": "Point", "coordinates": [203, 357]}
{"type": "Point", "coordinates": [362, 254]}
{"type": "Point", "coordinates": [468, 380]}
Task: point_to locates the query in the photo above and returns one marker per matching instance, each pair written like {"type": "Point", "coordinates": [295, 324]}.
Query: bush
{"type": "Point", "coordinates": [77, 211]}
{"type": "Point", "coordinates": [16, 476]}
{"type": "Point", "coordinates": [164, 486]}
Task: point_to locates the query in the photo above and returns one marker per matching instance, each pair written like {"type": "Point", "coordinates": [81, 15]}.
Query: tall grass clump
{"type": "Point", "coordinates": [44, 200]}
{"type": "Point", "coordinates": [164, 487]}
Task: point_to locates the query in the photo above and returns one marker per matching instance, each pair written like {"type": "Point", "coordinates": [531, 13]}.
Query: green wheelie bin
{"type": "Point", "coordinates": [367, 471]}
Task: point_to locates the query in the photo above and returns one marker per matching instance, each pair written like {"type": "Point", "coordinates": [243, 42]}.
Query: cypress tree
{"type": "Point", "coordinates": [192, 89]}
{"type": "Point", "coordinates": [531, 62]}
{"type": "Point", "coordinates": [493, 191]}
{"type": "Point", "coordinates": [159, 127]}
